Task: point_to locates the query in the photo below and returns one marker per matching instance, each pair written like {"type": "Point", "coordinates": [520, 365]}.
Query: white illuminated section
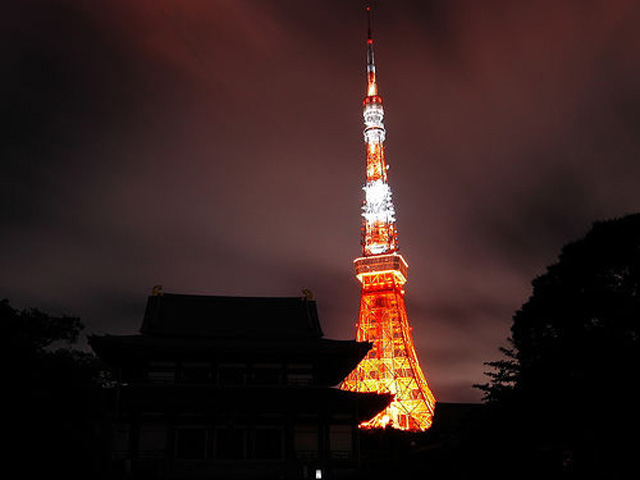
{"type": "Point", "coordinates": [374, 131]}
{"type": "Point", "coordinates": [379, 248]}
{"type": "Point", "coordinates": [373, 115]}
{"type": "Point", "coordinates": [378, 206]}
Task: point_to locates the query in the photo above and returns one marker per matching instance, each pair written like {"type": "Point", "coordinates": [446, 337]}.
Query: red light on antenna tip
{"type": "Point", "coordinates": [370, 41]}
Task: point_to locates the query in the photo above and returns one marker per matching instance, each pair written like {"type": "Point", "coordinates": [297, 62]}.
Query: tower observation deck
{"type": "Point", "coordinates": [391, 365]}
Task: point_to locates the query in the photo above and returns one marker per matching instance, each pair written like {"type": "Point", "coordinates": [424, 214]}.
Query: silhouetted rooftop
{"type": "Point", "coordinates": [242, 329]}
{"type": "Point", "coordinates": [231, 317]}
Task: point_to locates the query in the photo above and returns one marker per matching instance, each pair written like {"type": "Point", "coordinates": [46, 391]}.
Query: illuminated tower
{"type": "Point", "coordinates": [391, 366]}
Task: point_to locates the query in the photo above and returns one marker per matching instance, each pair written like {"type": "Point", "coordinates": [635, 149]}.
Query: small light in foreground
{"type": "Point", "coordinates": [318, 473]}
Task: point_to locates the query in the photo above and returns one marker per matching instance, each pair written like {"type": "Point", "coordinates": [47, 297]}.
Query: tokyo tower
{"type": "Point", "coordinates": [391, 366]}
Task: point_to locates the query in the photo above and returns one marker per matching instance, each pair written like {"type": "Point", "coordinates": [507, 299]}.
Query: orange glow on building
{"type": "Point", "coordinates": [391, 366]}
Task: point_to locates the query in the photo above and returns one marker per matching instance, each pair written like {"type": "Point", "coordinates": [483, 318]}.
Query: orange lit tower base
{"type": "Point", "coordinates": [391, 365]}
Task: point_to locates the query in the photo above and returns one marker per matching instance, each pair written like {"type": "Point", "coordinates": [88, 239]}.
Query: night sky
{"type": "Point", "coordinates": [215, 147]}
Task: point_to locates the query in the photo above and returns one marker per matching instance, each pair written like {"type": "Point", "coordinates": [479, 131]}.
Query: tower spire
{"type": "Point", "coordinates": [391, 365]}
{"type": "Point", "coordinates": [372, 87]}
{"type": "Point", "coordinates": [378, 229]}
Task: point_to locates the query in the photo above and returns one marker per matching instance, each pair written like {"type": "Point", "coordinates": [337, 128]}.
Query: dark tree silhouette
{"type": "Point", "coordinates": [55, 426]}
{"type": "Point", "coordinates": [569, 379]}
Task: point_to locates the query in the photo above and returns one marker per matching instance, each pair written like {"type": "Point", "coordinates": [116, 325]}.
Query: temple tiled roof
{"type": "Point", "coordinates": [231, 317]}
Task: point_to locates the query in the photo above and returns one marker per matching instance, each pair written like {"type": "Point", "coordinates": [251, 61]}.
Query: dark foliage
{"type": "Point", "coordinates": [503, 376]}
{"type": "Point", "coordinates": [56, 426]}
{"type": "Point", "coordinates": [565, 394]}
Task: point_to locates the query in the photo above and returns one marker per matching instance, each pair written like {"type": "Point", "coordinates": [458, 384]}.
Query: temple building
{"type": "Point", "coordinates": [234, 387]}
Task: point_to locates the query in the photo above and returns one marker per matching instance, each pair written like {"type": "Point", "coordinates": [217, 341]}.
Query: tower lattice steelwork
{"type": "Point", "coordinates": [391, 366]}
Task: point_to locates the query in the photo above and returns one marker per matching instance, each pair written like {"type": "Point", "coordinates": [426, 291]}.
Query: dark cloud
{"type": "Point", "coordinates": [215, 147]}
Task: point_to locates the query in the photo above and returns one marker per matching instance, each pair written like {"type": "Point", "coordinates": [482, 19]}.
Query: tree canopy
{"type": "Point", "coordinates": [575, 348]}
{"type": "Point", "coordinates": [57, 424]}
